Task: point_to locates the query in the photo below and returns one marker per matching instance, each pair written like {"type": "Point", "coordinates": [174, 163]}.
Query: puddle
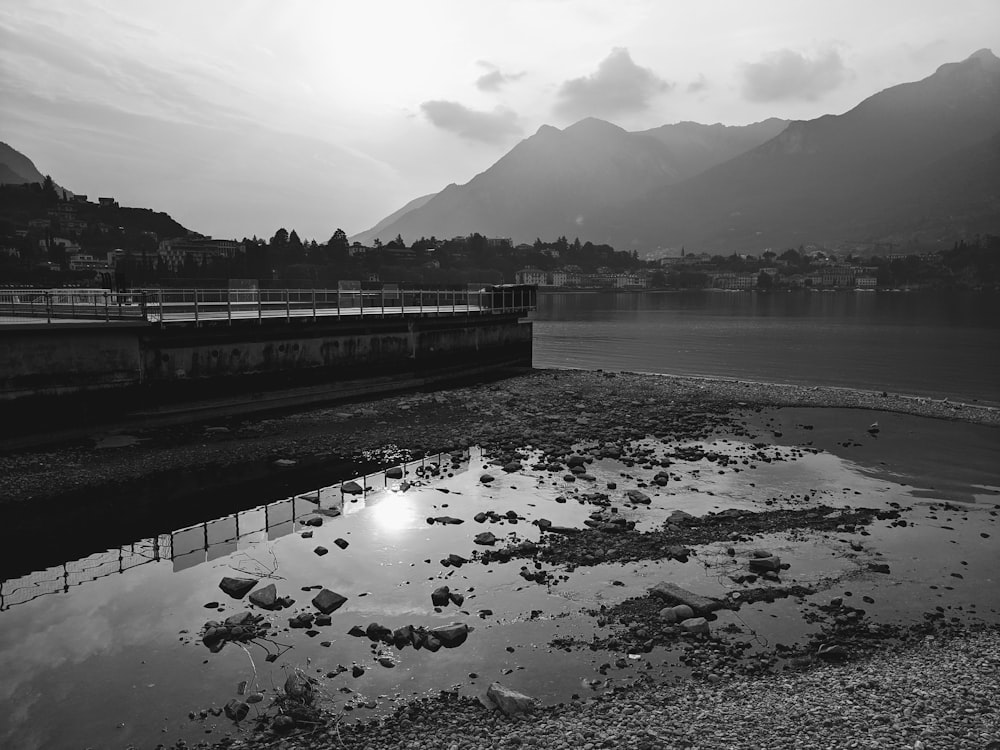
{"type": "Point", "coordinates": [110, 642]}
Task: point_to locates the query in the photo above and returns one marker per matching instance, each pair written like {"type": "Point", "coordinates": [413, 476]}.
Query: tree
{"type": "Point", "coordinates": [765, 282]}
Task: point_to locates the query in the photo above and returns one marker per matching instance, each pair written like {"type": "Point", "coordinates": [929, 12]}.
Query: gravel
{"type": "Point", "coordinates": [940, 694]}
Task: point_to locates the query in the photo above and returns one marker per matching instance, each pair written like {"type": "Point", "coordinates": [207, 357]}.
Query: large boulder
{"type": "Point", "coordinates": [674, 594]}
{"type": "Point", "coordinates": [487, 538]}
{"type": "Point", "coordinates": [327, 601]}
{"type": "Point", "coordinates": [511, 702]}
{"type": "Point", "coordinates": [237, 587]}
{"type": "Point", "coordinates": [452, 635]}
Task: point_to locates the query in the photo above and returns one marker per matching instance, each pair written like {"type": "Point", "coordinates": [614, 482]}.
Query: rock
{"type": "Point", "coordinates": [282, 724]}
{"type": "Point", "coordinates": [831, 652]}
{"type": "Point", "coordinates": [357, 671]}
{"type": "Point", "coordinates": [878, 567]}
{"type": "Point", "coordinates": [237, 588]}
{"type": "Point", "coordinates": [683, 612]}
{"type": "Point", "coordinates": [342, 543]}
{"type": "Point", "coordinates": [456, 598]}
{"type": "Point", "coordinates": [695, 625]}
{"type": "Point", "coordinates": [445, 520]}
{"type": "Point", "coordinates": [486, 538]}
{"type": "Point", "coordinates": [327, 601]}
{"type": "Point", "coordinates": [456, 560]}
{"type": "Point", "coordinates": [762, 553]}
{"type": "Point", "coordinates": [668, 615]}
{"type": "Point", "coordinates": [402, 637]}
{"type": "Point", "coordinates": [376, 632]}
{"type": "Point", "coordinates": [480, 518]}
{"type": "Point", "coordinates": [565, 530]}
{"type": "Point", "coordinates": [439, 596]}
{"type": "Point", "coordinates": [673, 594]}
{"type": "Point", "coordinates": [313, 521]}
{"type": "Point", "coordinates": [512, 466]}
{"type": "Point", "coordinates": [352, 488]}
{"type": "Point", "coordinates": [321, 550]}
{"type": "Point", "coordinates": [510, 702]}
{"type": "Point", "coordinates": [236, 710]}
{"type": "Point", "coordinates": [242, 619]}
{"type": "Point", "coordinates": [765, 564]}
{"type": "Point", "coordinates": [638, 497]}
{"type": "Point", "coordinates": [431, 643]}
{"type": "Point", "coordinates": [299, 688]}
{"type": "Point", "coordinates": [285, 463]}
{"type": "Point", "coordinates": [301, 621]}
{"type": "Point", "coordinates": [396, 472]}
{"type": "Point", "coordinates": [356, 631]}
{"type": "Point", "coordinates": [679, 518]}
{"type": "Point", "coordinates": [486, 478]}
{"type": "Point", "coordinates": [450, 636]}
{"type": "Point", "coordinates": [266, 598]}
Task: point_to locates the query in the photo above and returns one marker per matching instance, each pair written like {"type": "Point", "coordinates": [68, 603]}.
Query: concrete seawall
{"type": "Point", "coordinates": [62, 374]}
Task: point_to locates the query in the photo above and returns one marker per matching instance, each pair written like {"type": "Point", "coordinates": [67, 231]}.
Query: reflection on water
{"type": "Point", "coordinates": [114, 650]}
{"type": "Point", "coordinates": [219, 537]}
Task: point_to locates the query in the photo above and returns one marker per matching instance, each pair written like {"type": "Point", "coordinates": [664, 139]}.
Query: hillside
{"type": "Point", "coordinates": [556, 181]}
{"type": "Point", "coordinates": [897, 163]}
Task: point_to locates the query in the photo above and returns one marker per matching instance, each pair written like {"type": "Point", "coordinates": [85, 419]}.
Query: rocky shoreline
{"type": "Point", "coordinates": [938, 692]}
{"type": "Point", "coordinates": [929, 684]}
{"type": "Point", "coordinates": [576, 405]}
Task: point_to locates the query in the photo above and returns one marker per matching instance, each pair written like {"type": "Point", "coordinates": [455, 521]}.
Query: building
{"type": "Point", "coordinates": [531, 275]}
{"type": "Point", "coordinates": [734, 280]}
{"type": "Point", "coordinates": [202, 250]}
{"type": "Point", "coordinates": [85, 262]}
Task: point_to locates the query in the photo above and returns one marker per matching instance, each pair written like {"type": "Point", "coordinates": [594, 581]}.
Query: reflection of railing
{"type": "Point", "coordinates": [212, 539]}
{"type": "Point", "coordinates": [226, 305]}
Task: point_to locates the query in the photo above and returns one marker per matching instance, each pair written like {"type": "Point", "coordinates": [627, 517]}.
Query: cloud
{"type": "Point", "coordinates": [618, 85]}
{"type": "Point", "coordinates": [699, 84]}
{"type": "Point", "coordinates": [474, 125]}
{"type": "Point", "coordinates": [495, 79]}
{"type": "Point", "coordinates": [791, 75]}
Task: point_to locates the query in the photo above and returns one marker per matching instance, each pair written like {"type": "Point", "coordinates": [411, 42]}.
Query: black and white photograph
{"type": "Point", "coordinates": [499, 375]}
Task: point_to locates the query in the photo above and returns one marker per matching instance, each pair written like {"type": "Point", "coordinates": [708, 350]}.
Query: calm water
{"type": "Point", "coordinates": [918, 343]}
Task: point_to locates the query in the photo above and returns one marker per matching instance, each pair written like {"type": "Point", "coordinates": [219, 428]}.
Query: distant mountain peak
{"type": "Point", "coordinates": [593, 125]}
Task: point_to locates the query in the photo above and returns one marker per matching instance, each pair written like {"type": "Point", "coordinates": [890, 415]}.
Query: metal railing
{"type": "Point", "coordinates": [226, 305]}
{"type": "Point", "coordinates": [85, 304]}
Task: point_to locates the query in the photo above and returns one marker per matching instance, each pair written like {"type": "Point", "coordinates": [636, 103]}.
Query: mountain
{"type": "Point", "coordinates": [918, 157]}
{"type": "Point", "coordinates": [378, 229]}
{"type": "Point", "coordinates": [554, 182]}
{"type": "Point", "coordinates": [18, 169]}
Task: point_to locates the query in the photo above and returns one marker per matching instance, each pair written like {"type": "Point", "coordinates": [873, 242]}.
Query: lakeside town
{"type": "Point", "coordinates": [51, 238]}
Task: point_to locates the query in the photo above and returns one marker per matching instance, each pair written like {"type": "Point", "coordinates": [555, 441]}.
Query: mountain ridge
{"type": "Point", "coordinates": [713, 187]}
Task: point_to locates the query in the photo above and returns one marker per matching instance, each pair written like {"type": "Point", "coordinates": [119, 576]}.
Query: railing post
{"type": "Point", "coordinates": [314, 304]}
{"type": "Point", "coordinates": [229, 306]}
{"type": "Point", "coordinates": [48, 306]}
{"type": "Point", "coordinates": [288, 308]}
{"type": "Point", "coordinates": [260, 309]}
{"type": "Point", "coordinates": [383, 302]}
{"type": "Point", "coordinates": [338, 303]}
{"type": "Point", "coordinates": [196, 307]}
{"type": "Point", "coordinates": [72, 305]}
{"type": "Point", "coordinates": [105, 307]}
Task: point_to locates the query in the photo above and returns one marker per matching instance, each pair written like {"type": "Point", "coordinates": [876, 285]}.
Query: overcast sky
{"type": "Point", "coordinates": [241, 116]}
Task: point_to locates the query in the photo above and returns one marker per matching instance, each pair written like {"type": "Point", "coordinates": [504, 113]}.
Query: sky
{"type": "Point", "coordinates": [238, 117]}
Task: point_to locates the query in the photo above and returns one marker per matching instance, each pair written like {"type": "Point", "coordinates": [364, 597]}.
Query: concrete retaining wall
{"type": "Point", "coordinates": [145, 365]}
{"type": "Point", "coordinates": [60, 359]}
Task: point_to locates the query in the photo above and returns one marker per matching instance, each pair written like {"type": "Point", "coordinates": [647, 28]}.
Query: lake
{"type": "Point", "coordinates": [928, 344]}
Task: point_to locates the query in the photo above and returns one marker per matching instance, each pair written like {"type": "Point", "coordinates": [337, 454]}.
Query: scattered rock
{"type": "Point", "coordinates": [237, 587]}
{"type": "Point", "coordinates": [510, 702]}
{"type": "Point", "coordinates": [327, 601]}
